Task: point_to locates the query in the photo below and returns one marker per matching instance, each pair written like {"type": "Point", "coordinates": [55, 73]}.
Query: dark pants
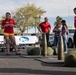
{"type": "Point", "coordinates": [65, 42]}
{"type": "Point", "coordinates": [74, 38]}
{"type": "Point", "coordinates": [56, 38]}
{"type": "Point", "coordinates": [47, 37]}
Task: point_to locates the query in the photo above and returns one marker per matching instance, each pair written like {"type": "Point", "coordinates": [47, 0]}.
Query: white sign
{"type": "Point", "coordinates": [1, 39]}
{"type": "Point", "coordinates": [22, 39]}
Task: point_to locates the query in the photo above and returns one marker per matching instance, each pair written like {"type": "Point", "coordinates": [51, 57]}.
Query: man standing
{"type": "Point", "coordinates": [45, 27]}
{"type": "Point", "coordinates": [75, 26]}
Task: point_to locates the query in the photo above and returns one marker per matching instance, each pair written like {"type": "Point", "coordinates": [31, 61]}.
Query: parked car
{"type": "Point", "coordinates": [70, 40]}
{"type": "Point", "coordinates": [51, 39]}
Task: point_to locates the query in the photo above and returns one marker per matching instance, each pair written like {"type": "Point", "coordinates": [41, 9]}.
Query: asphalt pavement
{"type": "Point", "coordinates": [33, 65]}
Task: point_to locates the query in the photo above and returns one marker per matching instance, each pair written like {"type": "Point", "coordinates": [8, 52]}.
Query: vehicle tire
{"type": "Point", "coordinates": [70, 43]}
{"type": "Point", "coordinates": [2, 50]}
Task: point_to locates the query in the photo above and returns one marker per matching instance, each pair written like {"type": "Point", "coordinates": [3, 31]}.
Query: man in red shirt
{"type": "Point", "coordinates": [75, 26]}
{"type": "Point", "coordinates": [45, 27]}
{"type": "Point", "coordinates": [8, 24]}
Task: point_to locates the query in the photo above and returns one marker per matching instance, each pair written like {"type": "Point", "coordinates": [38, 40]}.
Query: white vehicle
{"type": "Point", "coordinates": [70, 35]}
{"type": "Point", "coordinates": [20, 40]}
{"type": "Point", "coordinates": [51, 39]}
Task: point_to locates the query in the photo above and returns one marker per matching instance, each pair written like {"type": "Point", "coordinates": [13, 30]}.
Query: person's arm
{"type": "Point", "coordinates": [49, 28]}
{"type": "Point", "coordinates": [75, 21]}
{"type": "Point", "coordinates": [64, 30]}
{"type": "Point", "coordinates": [2, 25]}
{"type": "Point", "coordinates": [39, 28]}
{"type": "Point", "coordinates": [55, 29]}
{"type": "Point", "coordinates": [13, 24]}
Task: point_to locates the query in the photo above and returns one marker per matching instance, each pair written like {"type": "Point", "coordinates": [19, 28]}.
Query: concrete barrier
{"type": "Point", "coordinates": [60, 49]}
{"type": "Point", "coordinates": [70, 58]}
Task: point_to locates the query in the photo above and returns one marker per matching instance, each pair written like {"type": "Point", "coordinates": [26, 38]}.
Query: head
{"type": "Point", "coordinates": [46, 19]}
{"type": "Point", "coordinates": [58, 23]}
{"type": "Point", "coordinates": [63, 22]}
{"type": "Point", "coordinates": [74, 10]}
{"type": "Point", "coordinates": [8, 15]}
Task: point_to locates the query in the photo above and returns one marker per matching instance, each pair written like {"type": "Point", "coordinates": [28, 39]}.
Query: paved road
{"type": "Point", "coordinates": [32, 65]}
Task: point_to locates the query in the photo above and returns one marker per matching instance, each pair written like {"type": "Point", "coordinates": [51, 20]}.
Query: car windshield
{"type": "Point", "coordinates": [71, 31]}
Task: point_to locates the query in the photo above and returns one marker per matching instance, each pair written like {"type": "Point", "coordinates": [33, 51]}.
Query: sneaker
{"type": "Point", "coordinates": [65, 52]}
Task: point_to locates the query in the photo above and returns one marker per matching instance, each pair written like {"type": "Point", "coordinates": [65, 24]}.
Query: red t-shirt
{"type": "Point", "coordinates": [75, 21]}
{"type": "Point", "coordinates": [45, 27]}
{"type": "Point", "coordinates": [8, 22]}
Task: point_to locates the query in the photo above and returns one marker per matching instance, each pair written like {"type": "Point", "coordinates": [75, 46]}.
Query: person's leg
{"type": "Point", "coordinates": [65, 43]}
{"type": "Point", "coordinates": [55, 40]}
{"type": "Point", "coordinates": [47, 38]}
{"type": "Point", "coordinates": [74, 38]}
{"type": "Point", "coordinates": [7, 43]}
{"type": "Point", "coordinates": [42, 39]}
{"type": "Point", "coordinates": [12, 38]}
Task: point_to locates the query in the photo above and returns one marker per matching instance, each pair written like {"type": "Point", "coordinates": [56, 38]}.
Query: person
{"type": "Point", "coordinates": [74, 10]}
{"type": "Point", "coordinates": [57, 32]}
{"type": "Point", "coordinates": [64, 35]}
{"type": "Point", "coordinates": [74, 17]}
{"type": "Point", "coordinates": [45, 27]}
{"type": "Point", "coordinates": [8, 24]}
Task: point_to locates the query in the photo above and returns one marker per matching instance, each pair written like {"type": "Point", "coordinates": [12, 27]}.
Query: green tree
{"type": "Point", "coordinates": [58, 20]}
{"type": "Point", "coordinates": [28, 16]}
{"type": "Point", "coordinates": [1, 29]}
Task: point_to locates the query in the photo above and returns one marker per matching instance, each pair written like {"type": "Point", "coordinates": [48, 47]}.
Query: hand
{"type": "Point", "coordinates": [49, 31]}
{"type": "Point", "coordinates": [41, 32]}
{"type": "Point", "coordinates": [11, 25]}
{"type": "Point", "coordinates": [6, 25]}
{"type": "Point", "coordinates": [56, 30]}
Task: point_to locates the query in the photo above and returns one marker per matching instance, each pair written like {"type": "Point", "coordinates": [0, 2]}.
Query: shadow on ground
{"type": "Point", "coordinates": [53, 64]}
{"type": "Point", "coordinates": [12, 55]}
{"type": "Point", "coordinates": [32, 71]}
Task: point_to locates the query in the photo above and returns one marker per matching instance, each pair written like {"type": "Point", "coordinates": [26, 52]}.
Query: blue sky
{"type": "Point", "coordinates": [53, 8]}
